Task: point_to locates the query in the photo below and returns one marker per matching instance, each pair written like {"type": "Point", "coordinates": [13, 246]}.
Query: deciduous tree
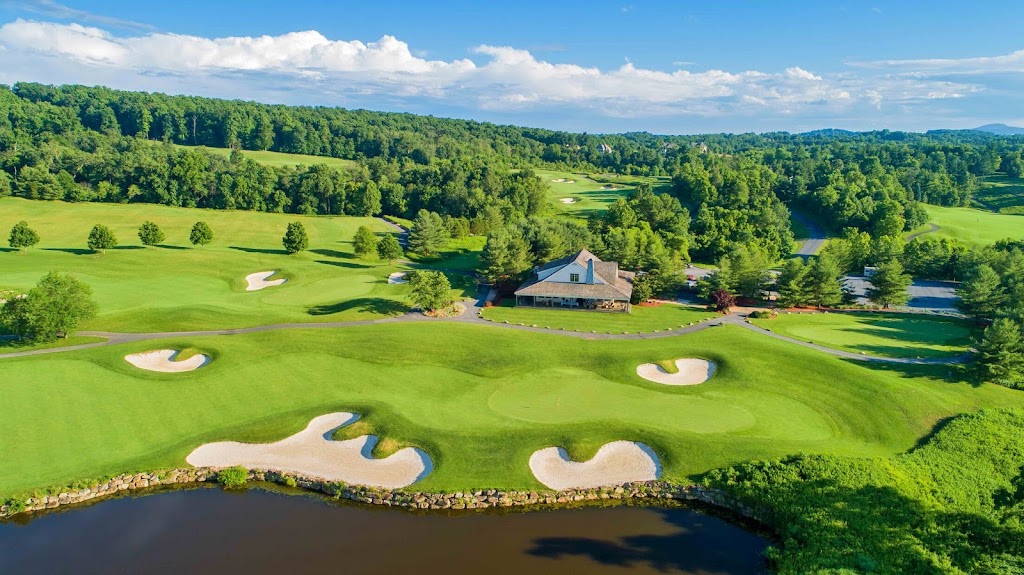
{"type": "Point", "coordinates": [150, 234]}
{"type": "Point", "coordinates": [53, 308]}
{"type": "Point", "coordinates": [201, 234]}
{"type": "Point", "coordinates": [101, 239]}
{"type": "Point", "coordinates": [389, 249]}
{"type": "Point", "coordinates": [22, 237]}
{"type": "Point", "coordinates": [364, 242]}
{"type": "Point", "coordinates": [430, 290]}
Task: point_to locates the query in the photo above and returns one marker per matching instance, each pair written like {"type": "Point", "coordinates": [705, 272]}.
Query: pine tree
{"type": "Point", "coordinates": [981, 294]}
{"type": "Point", "coordinates": [23, 237]}
{"type": "Point", "coordinates": [428, 234]}
{"type": "Point", "coordinates": [889, 284]}
{"type": "Point", "coordinates": [824, 286]}
{"type": "Point", "coordinates": [505, 257]}
{"type": "Point", "coordinates": [792, 284]}
{"type": "Point", "coordinates": [1001, 354]}
{"type": "Point", "coordinates": [365, 242]}
{"type": "Point", "coordinates": [295, 239]}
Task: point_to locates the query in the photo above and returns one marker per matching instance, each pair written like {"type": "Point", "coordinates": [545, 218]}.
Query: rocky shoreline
{"type": "Point", "coordinates": [458, 500]}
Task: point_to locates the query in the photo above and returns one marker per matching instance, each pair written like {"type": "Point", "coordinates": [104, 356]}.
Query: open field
{"type": "Point", "coordinates": [974, 226]}
{"type": "Point", "coordinates": [642, 319]}
{"type": "Point", "coordinates": [179, 287]}
{"type": "Point", "coordinates": [876, 333]}
{"type": "Point", "coordinates": [1001, 194]}
{"type": "Point", "coordinates": [480, 400]}
{"type": "Point", "coordinates": [282, 159]}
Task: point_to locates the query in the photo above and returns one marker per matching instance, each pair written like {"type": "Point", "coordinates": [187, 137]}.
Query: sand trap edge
{"type": "Point", "coordinates": [162, 360]}
{"type": "Point", "coordinates": [258, 281]}
{"type": "Point", "coordinates": [614, 463]}
{"type": "Point", "coordinates": [692, 371]}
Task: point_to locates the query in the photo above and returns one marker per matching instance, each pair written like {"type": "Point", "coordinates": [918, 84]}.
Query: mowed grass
{"type": "Point", "coordinates": [280, 158]}
{"type": "Point", "coordinates": [974, 226]}
{"type": "Point", "coordinates": [592, 193]}
{"type": "Point", "coordinates": [176, 286]}
{"type": "Point", "coordinates": [1001, 194]}
{"type": "Point", "coordinates": [882, 334]}
{"type": "Point", "coordinates": [480, 399]}
{"type": "Point", "coordinates": [641, 320]}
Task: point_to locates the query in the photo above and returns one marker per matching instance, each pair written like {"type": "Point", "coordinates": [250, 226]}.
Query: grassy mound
{"type": "Point", "coordinates": [951, 506]}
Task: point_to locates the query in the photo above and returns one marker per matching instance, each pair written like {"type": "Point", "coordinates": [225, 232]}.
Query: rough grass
{"type": "Point", "coordinates": [478, 399]}
{"type": "Point", "coordinates": [176, 286]}
{"type": "Point", "coordinates": [875, 333]}
{"type": "Point", "coordinates": [640, 320]}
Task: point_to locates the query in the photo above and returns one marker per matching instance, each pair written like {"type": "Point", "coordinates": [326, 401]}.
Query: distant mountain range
{"type": "Point", "coordinates": [1000, 129]}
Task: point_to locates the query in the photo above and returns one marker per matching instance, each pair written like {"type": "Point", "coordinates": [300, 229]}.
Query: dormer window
{"type": "Point", "coordinates": [574, 278]}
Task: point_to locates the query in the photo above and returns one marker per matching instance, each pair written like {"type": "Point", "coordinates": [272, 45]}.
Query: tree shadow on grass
{"type": "Point", "coordinates": [269, 251]}
{"type": "Point", "coordinates": [5, 250]}
{"type": "Point", "coordinates": [72, 251]}
{"type": "Point", "coordinates": [953, 373]}
{"type": "Point", "coordinates": [374, 305]}
{"type": "Point", "coordinates": [170, 247]}
{"type": "Point", "coordinates": [345, 265]}
{"type": "Point", "coordinates": [333, 254]}
{"type": "Point", "coordinates": [119, 248]}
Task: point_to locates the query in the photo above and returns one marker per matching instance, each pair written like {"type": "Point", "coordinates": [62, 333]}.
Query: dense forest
{"type": "Point", "coordinates": [78, 143]}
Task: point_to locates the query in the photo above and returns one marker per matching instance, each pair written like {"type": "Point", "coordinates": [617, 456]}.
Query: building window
{"type": "Point", "coordinates": [574, 278]}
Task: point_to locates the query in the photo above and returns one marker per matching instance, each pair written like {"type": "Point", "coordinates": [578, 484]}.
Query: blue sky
{"type": "Point", "coordinates": [664, 67]}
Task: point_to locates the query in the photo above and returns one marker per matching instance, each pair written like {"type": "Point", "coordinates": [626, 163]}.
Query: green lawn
{"type": "Point", "coordinates": [974, 226]}
{"type": "Point", "coordinates": [883, 334]}
{"type": "Point", "coordinates": [283, 159]}
{"type": "Point", "coordinates": [1001, 194]}
{"type": "Point", "coordinates": [642, 319]}
{"type": "Point", "coordinates": [179, 287]}
{"type": "Point", "coordinates": [479, 399]}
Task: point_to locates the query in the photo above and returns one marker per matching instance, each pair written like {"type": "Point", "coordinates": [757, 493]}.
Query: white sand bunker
{"type": "Point", "coordinates": [398, 278]}
{"type": "Point", "coordinates": [258, 281]}
{"type": "Point", "coordinates": [691, 372]}
{"type": "Point", "coordinates": [615, 463]}
{"type": "Point", "coordinates": [163, 360]}
{"type": "Point", "coordinates": [564, 181]}
{"type": "Point", "coordinates": [311, 453]}
{"type": "Point", "coordinates": [568, 200]}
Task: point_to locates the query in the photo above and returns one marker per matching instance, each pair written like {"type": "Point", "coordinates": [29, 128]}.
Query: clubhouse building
{"type": "Point", "coordinates": [578, 281]}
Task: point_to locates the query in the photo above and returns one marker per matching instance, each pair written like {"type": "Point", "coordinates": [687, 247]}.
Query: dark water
{"type": "Point", "coordinates": [212, 531]}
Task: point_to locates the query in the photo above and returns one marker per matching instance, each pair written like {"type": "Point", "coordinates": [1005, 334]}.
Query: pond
{"type": "Point", "coordinates": [208, 530]}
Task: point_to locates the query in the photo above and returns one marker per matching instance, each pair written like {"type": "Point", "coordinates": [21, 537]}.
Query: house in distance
{"type": "Point", "coordinates": [578, 281]}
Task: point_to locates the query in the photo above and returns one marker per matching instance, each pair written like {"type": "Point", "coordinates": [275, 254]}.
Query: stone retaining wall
{"type": "Point", "coordinates": [476, 499]}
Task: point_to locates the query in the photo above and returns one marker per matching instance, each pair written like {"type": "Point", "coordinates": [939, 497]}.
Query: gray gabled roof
{"type": "Point", "coordinates": [618, 284]}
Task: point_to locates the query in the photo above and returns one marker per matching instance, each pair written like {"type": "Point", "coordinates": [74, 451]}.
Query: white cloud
{"type": "Point", "coordinates": [1013, 62]}
{"type": "Point", "coordinates": [54, 9]}
{"type": "Point", "coordinates": [312, 68]}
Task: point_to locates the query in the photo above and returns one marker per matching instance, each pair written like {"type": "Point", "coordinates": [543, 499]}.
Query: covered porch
{"type": "Point", "coordinates": [563, 302]}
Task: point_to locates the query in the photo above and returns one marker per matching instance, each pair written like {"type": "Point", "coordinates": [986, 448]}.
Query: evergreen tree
{"type": "Point", "coordinates": [101, 239]}
{"type": "Point", "coordinates": [428, 234]}
{"type": "Point", "coordinates": [889, 284]}
{"type": "Point", "coordinates": [201, 234]}
{"type": "Point", "coordinates": [22, 237]}
{"type": "Point", "coordinates": [150, 234]}
{"type": "Point", "coordinates": [824, 286]}
{"type": "Point", "coordinates": [791, 283]}
{"type": "Point", "coordinates": [981, 293]}
{"type": "Point", "coordinates": [295, 239]}
{"type": "Point", "coordinates": [722, 280]}
{"type": "Point", "coordinates": [505, 257]}
{"type": "Point", "coordinates": [1001, 354]}
{"type": "Point", "coordinates": [430, 290]}
{"type": "Point", "coordinates": [365, 242]}
{"type": "Point", "coordinates": [389, 249]}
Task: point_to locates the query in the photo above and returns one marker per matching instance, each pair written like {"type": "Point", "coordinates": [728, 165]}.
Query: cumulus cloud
{"type": "Point", "coordinates": [309, 65]}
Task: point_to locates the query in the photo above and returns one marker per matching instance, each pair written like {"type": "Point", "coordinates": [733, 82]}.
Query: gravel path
{"type": "Point", "coordinates": [932, 228]}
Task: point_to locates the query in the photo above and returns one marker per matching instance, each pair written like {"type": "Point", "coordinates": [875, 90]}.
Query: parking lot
{"type": "Point", "coordinates": [933, 296]}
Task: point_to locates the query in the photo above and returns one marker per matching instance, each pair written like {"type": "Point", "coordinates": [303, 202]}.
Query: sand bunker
{"type": "Point", "coordinates": [691, 372]}
{"type": "Point", "coordinates": [163, 360]}
{"type": "Point", "coordinates": [258, 281]}
{"type": "Point", "coordinates": [564, 181]}
{"type": "Point", "coordinates": [398, 278]}
{"type": "Point", "coordinates": [311, 453]}
{"type": "Point", "coordinates": [615, 463]}
{"type": "Point", "coordinates": [568, 200]}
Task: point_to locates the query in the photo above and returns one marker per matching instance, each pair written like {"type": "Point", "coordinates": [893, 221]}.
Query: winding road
{"type": "Point", "coordinates": [472, 317]}
{"type": "Point", "coordinates": [813, 244]}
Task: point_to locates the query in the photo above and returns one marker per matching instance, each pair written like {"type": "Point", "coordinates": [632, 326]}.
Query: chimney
{"type": "Point", "coordinates": [590, 271]}
{"type": "Point", "coordinates": [536, 271]}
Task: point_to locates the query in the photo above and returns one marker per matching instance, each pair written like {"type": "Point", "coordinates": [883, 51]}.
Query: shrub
{"type": "Point", "coordinates": [14, 506]}
{"type": "Point", "coordinates": [232, 477]}
{"type": "Point", "coordinates": [762, 314]}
